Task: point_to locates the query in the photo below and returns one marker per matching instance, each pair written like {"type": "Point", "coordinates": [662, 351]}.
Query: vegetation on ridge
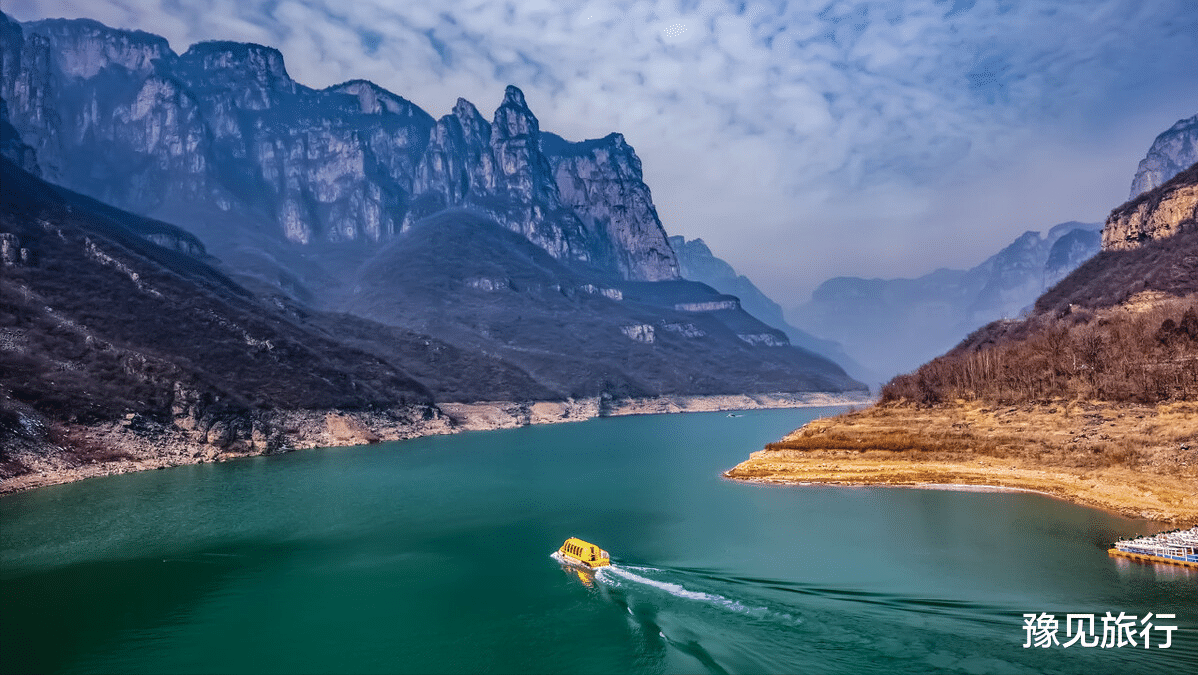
{"type": "Point", "coordinates": [1144, 352]}
{"type": "Point", "coordinates": [1121, 328]}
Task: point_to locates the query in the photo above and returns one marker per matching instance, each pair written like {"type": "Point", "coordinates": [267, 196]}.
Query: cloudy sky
{"type": "Point", "coordinates": [802, 139]}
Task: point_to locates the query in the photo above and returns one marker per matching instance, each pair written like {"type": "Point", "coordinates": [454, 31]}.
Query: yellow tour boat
{"type": "Point", "coordinates": [583, 554]}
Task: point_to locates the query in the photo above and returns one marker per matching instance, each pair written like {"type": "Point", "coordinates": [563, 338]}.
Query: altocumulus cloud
{"type": "Point", "coordinates": [802, 139]}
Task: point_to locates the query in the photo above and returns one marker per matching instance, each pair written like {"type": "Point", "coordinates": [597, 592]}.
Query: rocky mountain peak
{"type": "Point", "coordinates": [601, 181]}
{"type": "Point", "coordinates": [82, 48]}
{"type": "Point", "coordinates": [222, 140]}
{"type": "Point", "coordinates": [892, 325]}
{"type": "Point", "coordinates": [513, 119]}
{"type": "Point", "coordinates": [697, 246]}
{"type": "Point", "coordinates": [1173, 151]}
{"type": "Point", "coordinates": [238, 63]}
{"type": "Point", "coordinates": [464, 108]}
{"type": "Point", "coordinates": [512, 96]}
{"type": "Point", "coordinates": [475, 128]}
{"type": "Point", "coordinates": [524, 173]}
{"type": "Point", "coordinates": [374, 100]}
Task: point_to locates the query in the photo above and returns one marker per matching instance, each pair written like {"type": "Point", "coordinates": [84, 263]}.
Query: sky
{"type": "Point", "coordinates": [801, 140]}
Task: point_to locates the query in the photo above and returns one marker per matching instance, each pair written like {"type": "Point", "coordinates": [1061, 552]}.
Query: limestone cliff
{"type": "Point", "coordinates": [221, 137]}
{"type": "Point", "coordinates": [493, 260]}
{"type": "Point", "coordinates": [601, 180]}
{"type": "Point", "coordinates": [1157, 214]}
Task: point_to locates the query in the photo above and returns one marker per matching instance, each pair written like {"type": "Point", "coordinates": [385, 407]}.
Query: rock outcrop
{"type": "Point", "coordinates": [601, 180]}
{"type": "Point", "coordinates": [1157, 214]}
{"type": "Point", "coordinates": [1171, 153]}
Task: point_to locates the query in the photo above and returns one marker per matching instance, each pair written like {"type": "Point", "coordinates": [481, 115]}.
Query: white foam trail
{"type": "Point", "coordinates": [678, 591]}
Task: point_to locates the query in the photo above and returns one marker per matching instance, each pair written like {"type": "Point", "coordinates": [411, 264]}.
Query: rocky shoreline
{"type": "Point", "coordinates": [75, 452]}
{"type": "Point", "coordinates": [489, 415]}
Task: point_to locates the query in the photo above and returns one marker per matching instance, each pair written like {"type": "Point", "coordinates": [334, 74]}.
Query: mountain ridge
{"type": "Point", "coordinates": [1090, 397]}
{"type": "Point", "coordinates": [123, 348]}
{"type": "Point", "coordinates": [297, 191]}
{"type": "Point", "coordinates": [346, 264]}
{"type": "Point", "coordinates": [226, 123]}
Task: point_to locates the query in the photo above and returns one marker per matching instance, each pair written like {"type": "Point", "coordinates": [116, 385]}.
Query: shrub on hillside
{"type": "Point", "coordinates": [1117, 355]}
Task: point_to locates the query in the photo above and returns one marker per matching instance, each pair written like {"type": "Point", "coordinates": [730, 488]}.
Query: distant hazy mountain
{"type": "Point", "coordinates": [1175, 150]}
{"type": "Point", "coordinates": [698, 263]}
{"type": "Point", "coordinates": [893, 325]}
{"type": "Point", "coordinates": [489, 236]}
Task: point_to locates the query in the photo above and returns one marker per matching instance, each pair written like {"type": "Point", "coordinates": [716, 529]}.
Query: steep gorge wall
{"type": "Point", "coordinates": [222, 132]}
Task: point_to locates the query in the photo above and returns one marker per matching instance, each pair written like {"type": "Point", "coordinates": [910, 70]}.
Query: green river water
{"type": "Point", "coordinates": [432, 556]}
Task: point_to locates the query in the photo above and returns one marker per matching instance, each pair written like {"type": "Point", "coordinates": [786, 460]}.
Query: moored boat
{"type": "Point", "coordinates": [582, 554]}
{"type": "Point", "coordinates": [1179, 547]}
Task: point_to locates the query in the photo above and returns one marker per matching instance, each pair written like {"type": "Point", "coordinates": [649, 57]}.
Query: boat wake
{"type": "Point", "coordinates": [617, 575]}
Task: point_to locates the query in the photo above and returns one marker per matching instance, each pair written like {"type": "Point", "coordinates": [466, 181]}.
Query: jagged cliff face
{"type": "Point", "coordinates": [222, 133]}
{"type": "Point", "coordinates": [602, 182]}
{"type": "Point", "coordinates": [1171, 153]}
{"type": "Point", "coordinates": [500, 169]}
{"type": "Point", "coordinates": [1158, 214]}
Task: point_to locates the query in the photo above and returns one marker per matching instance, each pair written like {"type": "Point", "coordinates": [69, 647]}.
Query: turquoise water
{"type": "Point", "coordinates": [432, 556]}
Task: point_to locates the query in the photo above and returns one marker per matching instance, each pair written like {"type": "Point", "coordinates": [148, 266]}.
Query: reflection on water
{"type": "Point", "coordinates": [1157, 571]}
{"type": "Point", "coordinates": [430, 556]}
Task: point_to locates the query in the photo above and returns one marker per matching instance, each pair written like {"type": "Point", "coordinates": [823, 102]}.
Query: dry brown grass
{"type": "Point", "coordinates": [1138, 460]}
{"type": "Point", "coordinates": [1144, 350]}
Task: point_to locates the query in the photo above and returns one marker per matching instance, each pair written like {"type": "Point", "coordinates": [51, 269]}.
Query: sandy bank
{"type": "Point", "coordinates": [76, 452]}
{"type": "Point", "coordinates": [1137, 461]}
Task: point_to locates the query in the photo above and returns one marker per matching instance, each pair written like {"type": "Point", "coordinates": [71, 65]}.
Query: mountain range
{"type": "Point", "coordinates": [221, 141]}
{"type": "Point", "coordinates": [183, 232]}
